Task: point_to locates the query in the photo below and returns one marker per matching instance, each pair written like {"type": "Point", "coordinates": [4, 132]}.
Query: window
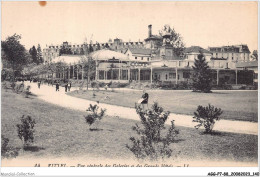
{"type": "Point", "coordinates": [166, 77]}
{"type": "Point", "coordinates": [172, 75]}
{"type": "Point", "coordinates": [136, 58]}
{"type": "Point", "coordinates": [147, 58]}
{"type": "Point", "coordinates": [142, 58]}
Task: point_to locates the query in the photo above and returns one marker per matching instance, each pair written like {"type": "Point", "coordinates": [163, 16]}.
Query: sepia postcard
{"type": "Point", "coordinates": [129, 84]}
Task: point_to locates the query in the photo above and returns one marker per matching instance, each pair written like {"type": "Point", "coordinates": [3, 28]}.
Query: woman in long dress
{"type": "Point", "coordinates": [144, 99]}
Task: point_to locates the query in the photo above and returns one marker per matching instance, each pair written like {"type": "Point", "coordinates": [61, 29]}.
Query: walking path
{"type": "Point", "coordinates": [48, 94]}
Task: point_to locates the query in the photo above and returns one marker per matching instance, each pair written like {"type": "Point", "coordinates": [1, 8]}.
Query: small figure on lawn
{"type": "Point", "coordinates": [144, 99]}
{"type": "Point", "coordinates": [57, 86]}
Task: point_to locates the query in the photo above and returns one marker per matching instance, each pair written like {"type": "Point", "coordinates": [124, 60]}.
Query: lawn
{"type": "Point", "coordinates": [63, 133]}
{"type": "Point", "coordinates": [237, 105]}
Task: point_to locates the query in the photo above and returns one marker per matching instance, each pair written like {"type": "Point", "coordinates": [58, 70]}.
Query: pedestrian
{"type": "Point", "coordinates": [66, 86]}
{"type": "Point", "coordinates": [69, 86]}
{"type": "Point", "coordinates": [57, 86]}
{"type": "Point", "coordinates": [39, 84]}
{"type": "Point", "coordinates": [144, 99]}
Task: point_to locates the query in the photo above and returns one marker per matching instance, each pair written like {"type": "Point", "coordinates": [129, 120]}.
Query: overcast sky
{"type": "Point", "coordinates": [199, 23]}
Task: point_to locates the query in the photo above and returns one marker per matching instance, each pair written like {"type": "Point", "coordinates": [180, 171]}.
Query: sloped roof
{"type": "Point", "coordinates": [106, 54]}
{"type": "Point", "coordinates": [68, 59]}
{"type": "Point", "coordinates": [140, 51]}
{"type": "Point", "coordinates": [164, 63]}
{"type": "Point", "coordinates": [247, 64]}
{"type": "Point", "coordinates": [232, 48]}
{"type": "Point", "coordinates": [195, 49]}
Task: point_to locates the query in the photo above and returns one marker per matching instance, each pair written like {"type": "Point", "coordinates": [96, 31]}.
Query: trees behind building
{"type": "Point", "coordinates": [36, 54]}
{"type": "Point", "coordinates": [175, 39]}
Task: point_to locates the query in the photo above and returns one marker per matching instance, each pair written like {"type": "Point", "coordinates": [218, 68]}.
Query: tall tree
{"type": "Point", "coordinates": [175, 39]}
{"type": "Point", "coordinates": [14, 53]}
{"type": "Point", "coordinates": [33, 53]}
{"type": "Point", "coordinates": [98, 46]}
{"type": "Point", "coordinates": [90, 49]}
{"type": "Point", "coordinates": [39, 55]}
{"type": "Point", "coordinates": [89, 67]}
{"type": "Point", "coordinates": [202, 75]}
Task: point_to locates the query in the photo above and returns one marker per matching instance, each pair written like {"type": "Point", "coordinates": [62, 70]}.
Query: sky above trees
{"type": "Point", "coordinates": [199, 23]}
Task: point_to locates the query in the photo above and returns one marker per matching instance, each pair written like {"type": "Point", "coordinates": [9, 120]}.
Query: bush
{"type": "Point", "coordinates": [94, 115]}
{"type": "Point", "coordinates": [101, 84]}
{"type": "Point", "coordinates": [118, 85]}
{"type": "Point", "coordinates": [13, 85]}
{"type": "Point", "coordinates": [6, 151]}
{"type": "Point", "coordinates": [25, 130]}
{"type": "Point", "coordinates": [207, 116]}
{"type": "Point", "coordinates": [151, 144]}
{"type": "Point", "coordinates": [27, 91]}
{"type": "Point", "coordinates": [19, 88]}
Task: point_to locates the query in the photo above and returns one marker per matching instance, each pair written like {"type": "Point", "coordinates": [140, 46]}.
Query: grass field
{"type": "Point", "coordinates": [237, 105]}
{"type": "Point", "coordinates": [63, 133]}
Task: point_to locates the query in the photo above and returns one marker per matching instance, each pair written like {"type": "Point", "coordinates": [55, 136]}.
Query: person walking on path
{"type": "Point", "coordinates": [57, 86]}
{"type": "Point", "coordinates": [144, 99]}
{"type": "Point", "coordinates": [66, 86]}
{"type": "Point", "coordinates": [39, 84]}
{"type": "Point", "coordinates": [69, 86]}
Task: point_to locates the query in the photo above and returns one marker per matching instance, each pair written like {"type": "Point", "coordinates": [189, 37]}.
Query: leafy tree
{"type": "Point", "coordinates": [25, 130]}
{"type": "Point", "coordinates": [89, 67]}
{"type": "Point", "coordinates": [175, 39]}
{"type": "Point", "coordinates": [33, 53]}
{"type": "Point", "coordinates": [14, 54]}
{"type": "Point", "coordinates": [153, 143]}
{"type": "Point", "coordinates": [107, 46]}
{"type": "Point", "coordinates": [7, 151]}
{"type": "Point", "coordinates": [98, 46]}
{"type": "Point", "coordinates": [202, 75]}
{"type": "Point", "coordinates": [39, 55]}
{"type": "Point", "coordinates": [65, 50]}
{"type": "Point", "coordinates": [90, 49]}
{"type": "Point", "coordinates": [94, 114]}
{"type": "Point", "coordinates": [81, 51]}
{"type": "Point", "coordinates": [255, 54]}
{"type": "Point", "coordinates": [207, 116]}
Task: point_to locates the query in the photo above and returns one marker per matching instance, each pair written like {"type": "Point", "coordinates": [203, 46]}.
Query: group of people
{"type": "Point", "coordinates": [67, 86]}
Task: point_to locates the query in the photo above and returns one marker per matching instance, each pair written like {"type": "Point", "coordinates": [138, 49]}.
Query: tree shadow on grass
{"type": "Point", "coordinates": [33, 148]}
{"type": "Point", "coordinates": [95, 129]}
{"type": "Point", "coordinates": [100, 129]}
{"type": "Point", "coordinates": [178, 140]}
{"type": "Point", "coordinates": [31, 96]}
{"type": "Point", "coordinates": [216, 133]}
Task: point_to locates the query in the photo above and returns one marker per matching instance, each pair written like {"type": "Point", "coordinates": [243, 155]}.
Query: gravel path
{"type": "Point", "coordinates": [48, 94]}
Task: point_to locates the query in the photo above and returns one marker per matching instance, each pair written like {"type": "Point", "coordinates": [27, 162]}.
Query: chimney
{"type": "Point", "coordinates": [149, 31]}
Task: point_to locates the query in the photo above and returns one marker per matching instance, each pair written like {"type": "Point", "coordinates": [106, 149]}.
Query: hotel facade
{"type": "Point", "coordinates": [154, 60]}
